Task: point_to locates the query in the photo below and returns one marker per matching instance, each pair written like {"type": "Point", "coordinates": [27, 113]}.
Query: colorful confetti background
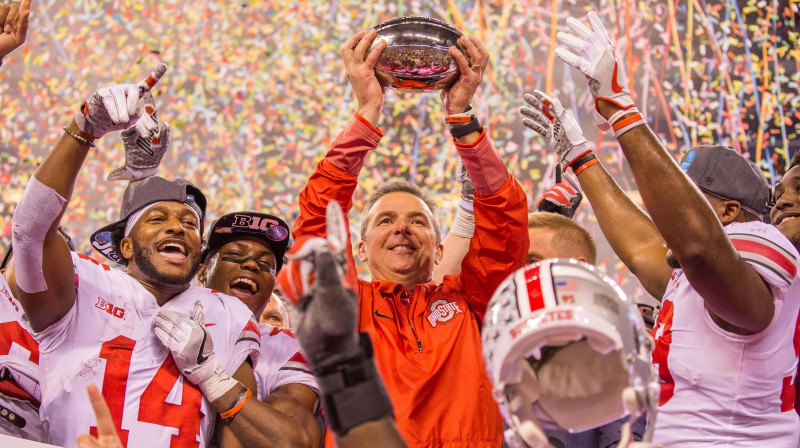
{"type": "Point", "coordinates": [256, 92]}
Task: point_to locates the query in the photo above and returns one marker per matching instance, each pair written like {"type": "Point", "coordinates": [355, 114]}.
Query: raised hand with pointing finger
{"type": "Point", "coordinates": [144, 149]}
{"type": "Point", "coordinates": [116, 107]}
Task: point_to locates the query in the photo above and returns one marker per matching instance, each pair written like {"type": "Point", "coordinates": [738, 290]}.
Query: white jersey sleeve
{"type": "Point", "coordinates": [766, 249]}
{"type": "Point", "coordinates": [281, 362]}
{"type": "Point", "coordinates": [20, 394]}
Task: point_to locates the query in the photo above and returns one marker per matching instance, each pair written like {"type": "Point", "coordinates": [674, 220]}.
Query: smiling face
{"type": "Point", "coordinates": [786, 212]}
{"type": "Point", "coordinates": [400, 241]}
{"type": "Point", "coordinates": [250, 281]}
{"type": "Point", "coordinates": [163, 247]}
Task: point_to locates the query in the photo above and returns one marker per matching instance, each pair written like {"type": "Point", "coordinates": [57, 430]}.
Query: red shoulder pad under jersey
{"type": "Point", "coordinates": [766, 249]}
{"type": "Point", "coordinates": [250, 332]}
{"type": "Point", "coordinates": [281, 362]}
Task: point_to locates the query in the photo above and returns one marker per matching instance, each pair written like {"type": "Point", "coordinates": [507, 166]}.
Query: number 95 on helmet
{"type": "Point", "coordinates": [566, 349]}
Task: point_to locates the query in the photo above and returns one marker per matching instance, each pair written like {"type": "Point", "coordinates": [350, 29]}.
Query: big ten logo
{"type": "Point", "coordinates": [109, 308]}
{"type": "Point", "coordinates": [272, 228]}
{"type": "Point", "coordinates": [253, 222]}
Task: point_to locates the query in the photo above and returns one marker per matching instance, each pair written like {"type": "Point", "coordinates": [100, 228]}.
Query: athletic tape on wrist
{"type": "Point", "coordinates": [217, 384]}
{"type": "Point", "coordinates": [626, 124]}
{"type": "Point", "coordinates": [36, 212]}
{"type": "Point", "coordinates": [463, 223]}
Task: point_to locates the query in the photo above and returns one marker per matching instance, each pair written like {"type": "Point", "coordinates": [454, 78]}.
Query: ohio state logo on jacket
{"type": "Point", "coordinates": [442, 311]}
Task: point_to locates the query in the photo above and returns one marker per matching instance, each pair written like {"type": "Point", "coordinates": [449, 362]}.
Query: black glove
{"type": "Point", "coordinates": [326, 330]}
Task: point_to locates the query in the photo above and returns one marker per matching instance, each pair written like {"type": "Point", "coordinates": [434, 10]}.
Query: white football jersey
{"type": "Point", "coordinates": [280, 362]}
{"type": "Point", "coordinates": [20, 395]}
{"type": "Point", "coordinates": [723, 389]}
{"type": "Point", "coordinates": [107, 339]}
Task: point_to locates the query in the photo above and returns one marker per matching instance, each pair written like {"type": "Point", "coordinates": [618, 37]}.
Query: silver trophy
{"type": "Point", "coordinates": [417, 56]}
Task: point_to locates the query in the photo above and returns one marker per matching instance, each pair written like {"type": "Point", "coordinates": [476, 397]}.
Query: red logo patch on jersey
{"type": "Point", "coordinates": [6, 293]}
{"type": "Point", "coordinates": [109, 308]}
{"type": "Point", "coordinates": [442, 311]}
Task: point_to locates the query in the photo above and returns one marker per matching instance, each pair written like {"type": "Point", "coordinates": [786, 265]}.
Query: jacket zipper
{"type": "Point", "coordinates": [414, 332]}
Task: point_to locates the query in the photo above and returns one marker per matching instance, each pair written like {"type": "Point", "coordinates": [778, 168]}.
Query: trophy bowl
{"type": "Point", "coordinates": [417, 56]}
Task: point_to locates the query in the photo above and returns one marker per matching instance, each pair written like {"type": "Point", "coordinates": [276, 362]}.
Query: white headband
{"type": "Point", "coordinates": [134, 217]}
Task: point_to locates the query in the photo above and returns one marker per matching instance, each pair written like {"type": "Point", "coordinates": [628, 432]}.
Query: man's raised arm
{"type": "Point", "coordinates": [627, 228]}
{"type": "Point", "coordinates": [732, 289]}
{"type": "Point", "coordinates": [500, 241]}
{"type": "Point", "coordinates": [44, 275]}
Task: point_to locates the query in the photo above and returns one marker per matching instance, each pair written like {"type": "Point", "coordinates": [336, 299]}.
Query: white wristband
{"type": "Point", "coordinates": [463, 223]}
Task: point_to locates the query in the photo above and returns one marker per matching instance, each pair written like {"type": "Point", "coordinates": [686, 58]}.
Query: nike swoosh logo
{"type": "Point", "coordinates": [616, 88]}
{"type": "Point", "coordinates": [200, 358]}
{"type": "Point", "coordinates": [381, 315]}
{"type": "Point", "coordinates": [209, 325]}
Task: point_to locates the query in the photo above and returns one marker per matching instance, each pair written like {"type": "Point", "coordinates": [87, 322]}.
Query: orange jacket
{"type": "Point", "coordinates": [427, 341]}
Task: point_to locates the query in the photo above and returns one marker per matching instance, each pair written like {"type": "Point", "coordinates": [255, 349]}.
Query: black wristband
{"type": "Point", "coordinates": [353, 393]}
{"type": "Point", "coordinates": [582, 160]}
{"type": "Point", "coordinates": [472, 126]}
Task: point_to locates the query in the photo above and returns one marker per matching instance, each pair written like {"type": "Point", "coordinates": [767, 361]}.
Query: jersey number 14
{"type": "Point", "coordinates": [153, 405]}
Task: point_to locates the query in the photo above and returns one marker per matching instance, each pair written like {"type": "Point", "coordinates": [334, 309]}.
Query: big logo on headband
{"type": "Point", "coordinates": [255, 224]}
{"type": "Point", "coordinates": [103, 243]}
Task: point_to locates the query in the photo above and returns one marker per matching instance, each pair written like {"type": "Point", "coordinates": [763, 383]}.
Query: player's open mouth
{"type": "Point", "coordinates": [173, 251]}
{"type": "Point", "coordinates": [242, 287]}
{"type": "Point", "coordinates": [785, 217]}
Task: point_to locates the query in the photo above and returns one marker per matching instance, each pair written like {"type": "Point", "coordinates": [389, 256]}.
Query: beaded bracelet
{"type": "Point", "coordinates": [80, 138]}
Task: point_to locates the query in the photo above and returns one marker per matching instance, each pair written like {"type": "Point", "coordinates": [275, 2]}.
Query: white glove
{"type": "Point", "coordinates": [593, 54]}
{"type": "Point", "coordinates": [115, 107]}
{"type": "Point", "coordinates": [467, 189]}
{"type": "Point", "coordinates": [193, 350]}
{"type": "Point", "coordinates": [548, 117]}
{"type": "Point", "coordinates": [143, 148]}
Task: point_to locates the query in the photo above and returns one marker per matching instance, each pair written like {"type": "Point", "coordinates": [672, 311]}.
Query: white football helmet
{"type": "Point", "coordinates": [566, 349]}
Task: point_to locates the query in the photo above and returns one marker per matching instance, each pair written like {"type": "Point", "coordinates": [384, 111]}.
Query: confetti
{"type": "Point", "coordinates": [255, 93]}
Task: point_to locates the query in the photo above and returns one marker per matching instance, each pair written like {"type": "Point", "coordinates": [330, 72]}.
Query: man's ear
{"type": "Point", "coordinates": [730, 211]}
{"type": "Point", "coordinates": [126, 248]}
{"type": "Point", "coordinates": [438, 254]}
{"type": "Point", "coordinates": [201, 274]}
{"type": "Point", "coordinates": [362, 251]}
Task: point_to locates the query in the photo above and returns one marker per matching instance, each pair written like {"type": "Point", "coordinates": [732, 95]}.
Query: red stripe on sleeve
{"type": "Point", "coordinates": [298, 357]}
{"type": "Point", "coordinates": [768, 252]}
